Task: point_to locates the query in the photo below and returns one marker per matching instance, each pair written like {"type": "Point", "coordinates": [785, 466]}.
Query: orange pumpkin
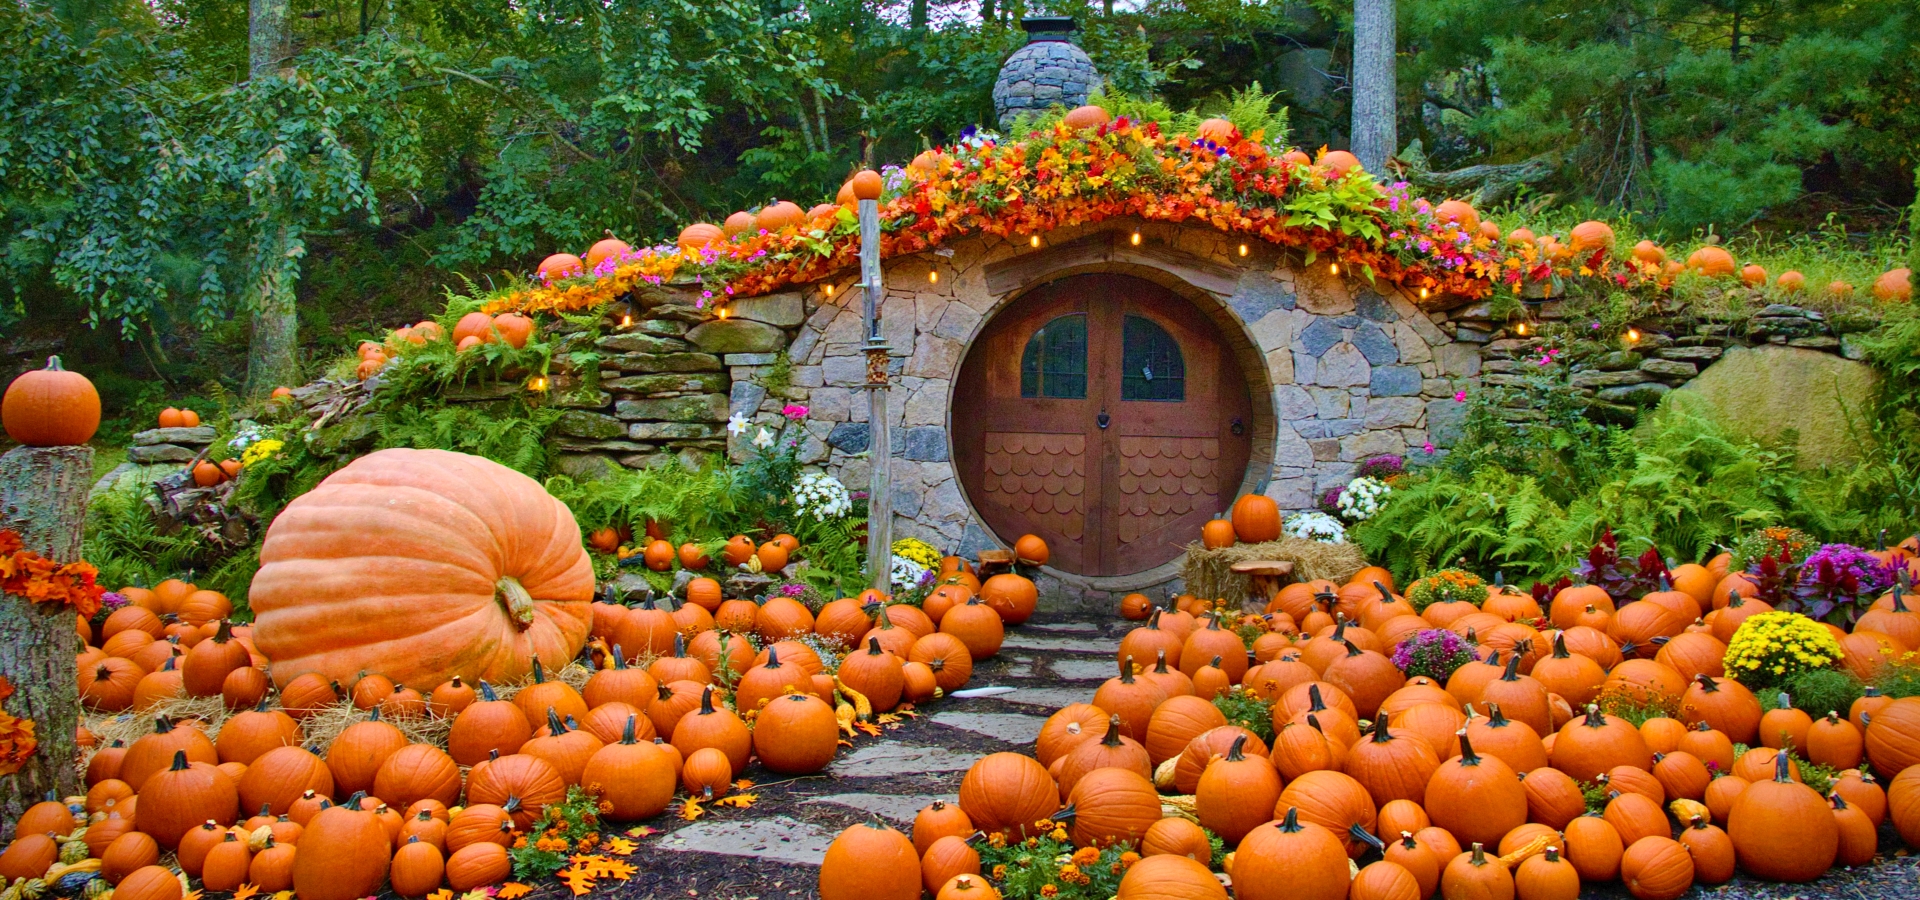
{"type": "Point", "coordinates": [560, 265]}
{"type": "Point", "coordinates": [50, 407]}
{"type": "Point", "coordinates": [518, 595]}
{"type": "Point", "coordinates": [1086, 117]}
{"type": "Point", "coordinates": [698, 235]}
{"type": "Point", "coordinates": [1256, 519]}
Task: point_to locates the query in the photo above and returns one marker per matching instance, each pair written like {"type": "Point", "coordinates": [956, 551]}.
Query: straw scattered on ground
{"type": "Point", "coordinates": [1208, 572]}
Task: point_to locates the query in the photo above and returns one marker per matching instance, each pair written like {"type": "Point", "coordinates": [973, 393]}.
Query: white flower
{"type": "Point", "coordinates": [821, 496]}
{"type": "Point", "coordinates": [1316, 526]}
{"type": "Point", "coordinates": [737, 424]}
{"type": "Point", "coordinates": [905, 573]}
{"type": "Point", "coordinates": [1362, 498]}
{"type": "Point", "coordinates": [764, 439]}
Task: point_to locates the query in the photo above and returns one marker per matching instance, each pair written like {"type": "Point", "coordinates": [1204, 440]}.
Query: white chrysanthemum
{"type": "Point", "coordinates": [1362, 498]}
{"type": "Point", "coordinates": [1315, 526]}
{"type": "Point", "coordinates": [906, 574]}
{"type": "Point", "coordinates": [822, 496]}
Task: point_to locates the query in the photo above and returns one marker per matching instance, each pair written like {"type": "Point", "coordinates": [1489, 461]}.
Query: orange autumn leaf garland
{"type": "Point", "coordinates": [1060, 177]}
{"type": "Point", "coordinates": [17, 740]}
{"type": "Point", "coordinates": [24, 573]}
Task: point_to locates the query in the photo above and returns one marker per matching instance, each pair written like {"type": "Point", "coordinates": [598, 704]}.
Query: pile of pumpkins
{"type": "Point", "coordinates": [658, 554]}
{"type": "Point", "coordinates": [471, 331]}
{"type": "Point", "coordinates": [1471, 788]}
{"type": "Point", "coordinates": [253, 802]}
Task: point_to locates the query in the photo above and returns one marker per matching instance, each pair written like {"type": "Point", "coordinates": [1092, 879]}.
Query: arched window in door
{"type": "Point", "coordinates": [1054, 363]}
{"type": "Point", "coordinates": [1151, 365]}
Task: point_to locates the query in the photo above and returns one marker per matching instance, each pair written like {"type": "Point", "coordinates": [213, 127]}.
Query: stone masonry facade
{"type": "Point", "coordinates": [1339, 370]}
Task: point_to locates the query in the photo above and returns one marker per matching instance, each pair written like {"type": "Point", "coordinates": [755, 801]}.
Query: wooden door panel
{"type": "Point", "coordinates": [1115, 499]}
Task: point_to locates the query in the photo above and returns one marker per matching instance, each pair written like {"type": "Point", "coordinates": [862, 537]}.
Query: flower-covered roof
{"type": "Point", "coordinates": [1064, 176]}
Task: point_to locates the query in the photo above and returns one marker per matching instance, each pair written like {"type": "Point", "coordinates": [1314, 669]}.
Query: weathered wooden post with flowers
{"type": "Point", "coordinates": [52, 413]}
{"type": "Point", "coordinates": [866, 189]}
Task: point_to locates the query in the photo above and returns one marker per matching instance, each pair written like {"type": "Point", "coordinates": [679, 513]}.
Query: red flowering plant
{"type": "Point", "coordinates": [24, 573]}
{"type": "Point", "coordinates": [1056, 176]}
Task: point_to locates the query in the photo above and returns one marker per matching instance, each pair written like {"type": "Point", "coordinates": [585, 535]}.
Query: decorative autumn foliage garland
{"type": "Point", "coordinates": [17, 740]}
{"type": "Point", "coordinates": [1064, 176]}
{"type": "Point", "coordinates": [25, 573]}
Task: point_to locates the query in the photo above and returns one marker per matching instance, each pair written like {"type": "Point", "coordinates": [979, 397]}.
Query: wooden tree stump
{"type": "Point", "coordinates": [43, 496]}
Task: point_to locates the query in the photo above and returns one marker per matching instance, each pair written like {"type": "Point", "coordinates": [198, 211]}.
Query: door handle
{"type": "Point", "coordinates": [1239, 427]}
{"type": "Point", "coordinates": [1103, 418]}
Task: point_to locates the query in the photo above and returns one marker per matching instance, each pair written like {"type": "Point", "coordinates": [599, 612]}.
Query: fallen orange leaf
{"type": "Point", "coordinates": [621, 846]}
{"type": "Point", "coordinates": [576, 879]}
{"type": "Point", "coordinates": [512, 890]}
{"type": "Point", "coordinates": [246, 892]}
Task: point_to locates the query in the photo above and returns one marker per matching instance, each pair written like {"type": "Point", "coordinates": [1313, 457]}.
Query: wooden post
{"type": "Point", "coordinates": [43, 497]}
{"type": "Point", "coordinates": [879, 437]}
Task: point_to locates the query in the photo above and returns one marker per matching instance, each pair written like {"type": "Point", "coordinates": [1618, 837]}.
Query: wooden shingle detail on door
{"type": "Point", "coordinates": [1042, 476]}
{"type": "Point", "coordinates": [1162, 480]}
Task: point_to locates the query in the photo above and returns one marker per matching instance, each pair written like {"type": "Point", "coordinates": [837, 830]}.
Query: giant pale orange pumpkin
{"type": "Point", "coordinates": [1894, 285]}
{"type": "Point", "coordinates": [50, 407]}
{"type": "Point", "coordinates": [423, 565]}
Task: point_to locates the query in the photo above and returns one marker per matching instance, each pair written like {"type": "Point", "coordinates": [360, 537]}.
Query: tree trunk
{"type": "Point", "coordinates": [1373, 137]}
{"type": "Point", "coordinates": [272, 358]}
{"type": "Point", "coordinates": [917, 15]}
{"type": "Point", "coordinates": [986, 11]}
{"type": "Point", "coordinates": [43, 497]}
{"type": "Point", "coordinates": [272, 355]}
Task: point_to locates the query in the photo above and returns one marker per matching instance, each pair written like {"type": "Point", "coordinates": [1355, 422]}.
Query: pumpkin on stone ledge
{"type": "Point", "coordinates": [423, 565]}
{"type": "Point", "coordinates": [51, 407]}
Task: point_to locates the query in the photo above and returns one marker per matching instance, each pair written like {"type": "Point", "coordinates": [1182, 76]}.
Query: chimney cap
{"type": "Point", "coordinates": [1048, 28]}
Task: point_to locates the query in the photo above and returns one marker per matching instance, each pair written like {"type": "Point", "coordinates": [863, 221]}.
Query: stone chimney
{"type": "Point", "coordinates": [1049, 71]}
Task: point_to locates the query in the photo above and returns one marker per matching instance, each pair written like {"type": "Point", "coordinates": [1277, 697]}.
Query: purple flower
{"type": "Point", "coordinates": [792, 590]}
{"type": "Point", "coordinates": [112, 600]}
{"type": "Point", "coordinates": [794, 412]}
{"type": "Point", "coordinates": [1460, 397]}
{"type": "Point", "coordinates": [1427, 448]}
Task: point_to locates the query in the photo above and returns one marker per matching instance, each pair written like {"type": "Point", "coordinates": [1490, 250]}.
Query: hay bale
{"type": "Point", "coordinates": [1208, 572]}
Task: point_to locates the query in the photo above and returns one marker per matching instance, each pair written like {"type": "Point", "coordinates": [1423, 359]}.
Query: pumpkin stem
{"type": "Point", "coordinates": [1494, 718]}
{"type": "Point", "coordinates": [1560, 646]}
{"type": "Point", "coordinates": [518, 603]}
{"type": "Point", "coordinates": [679, 645]}
{"type": "Point", "coordinates": [1838, 801]}
{"type": "Point", "coordinates": [1160, 665]}
{"type": "Point", "coordinates": [162, 725]}
{"type": "Point", "coordinates": [663, 692]}
{"type": "Point", "coordinates": [486, 691]}
{"type": "Point", "coordinates": [53, 364]}
{"type": "Point", "coordinates": [179, 761]}
{"type": "Point", "coordinates": [1467, 756]}
{"type": "Point", "coordinates": [1479, 855]}
{"type": "Point", "coordinates": [1234, 753]}
{"type": "Point", "coordinates": [1407, 840]}
{"type": "Point", "coordinates": [1291, 824]}
{"type": "Point", "coordinates": [1360, 834]}
{"type": "Point", "coordinates": [1112, 738]}
{"type": "Point", "coordinates": [224, 633]}
{"type": "Point", "coordinates": [1380, 734]}
{"type": "Point", "coordinates": [554, 727]}
{"type": "Point", "coordinates": [619, 659]}
{"type": "Point", "coordinates": [1553, 853]}
{"type": "Point", "coordinates": [873, 645]}
{"type": "Point", "coordinates": [1781, 766]}
{"type": "Point", "coordinates": [1386, 596]}
{"type": "Point", "coordinates": [1352, 651]}
{"type": "Point", "coordinates": [1126, 670]}
{"type": "Point", "coordinates": [1513, 668]}
{"type": "Point", "coordinates": [1595, 718]}
{"type": "Point", "coordinates": [706, 701]}
{"type": "Point", "coordinates": [1314, 721]}
{"type": "Point", "coordinates": [1313, 695]}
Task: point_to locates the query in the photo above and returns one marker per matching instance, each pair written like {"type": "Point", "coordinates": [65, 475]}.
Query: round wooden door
{"type": "Point", "coordinates": [1105, 414]}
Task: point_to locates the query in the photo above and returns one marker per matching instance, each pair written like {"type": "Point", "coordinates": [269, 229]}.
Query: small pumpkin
{"type": "Point", "coordinates": [867, 863]}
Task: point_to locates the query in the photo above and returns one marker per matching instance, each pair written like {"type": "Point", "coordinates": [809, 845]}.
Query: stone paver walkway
{"type": "Point", "coordinates": [771, 850]}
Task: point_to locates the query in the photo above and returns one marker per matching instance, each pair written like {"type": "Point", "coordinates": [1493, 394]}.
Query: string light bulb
{"type": "Point", "coordinates": [829, 289]}
{"type": "Point", "coordinates": [1334, 268]}
{"type": "Point", "coordinates": [722, 313]}
{"type": "Point", "coordinates": [1633, 335]}
{"type": "Point", "coordinates": [1135, 239]}
{"type": "Point", "coordinates": [1243, 250]}
{"type": "Point", "coordinates": [1521, 328]}
{"type": "Point", "coordinates": [933, 276]}
{"type": "Point", "coordinates": [537, 383]}
{"type": "Point", "coordinates": [1034, 242]}
{"type": "Point", "coordinates": [626, 321]}
{"type": "Point", "coordinates": [1423, 293]}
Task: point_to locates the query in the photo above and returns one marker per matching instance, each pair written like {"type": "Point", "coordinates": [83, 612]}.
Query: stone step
{"type": "Point", "coordinates": [1013, 728]}
{"type": "Point", "coordinates": [1019, 640]}
{"type": "Point", "coordinates": [896, 808]}
{"type": "Point", "coordinates": [883, 759]}
{"type": "Point", "coordinates": [1092, 670]}
{"type": "Point", "coordinates": [777, 838]}
{"type": "Point", "coordinates": [1047, 698]}
{"type": "Point", "coordinates": [1088, 627]}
